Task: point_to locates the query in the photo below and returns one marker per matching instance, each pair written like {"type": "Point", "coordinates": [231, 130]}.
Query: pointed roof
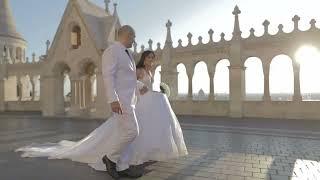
{"type": "Point", "coordinates": [7, 23]}
{"type": "Point", "coordinates": [90, 8]}
{"type": "Point", "coordinates": [98, 21]}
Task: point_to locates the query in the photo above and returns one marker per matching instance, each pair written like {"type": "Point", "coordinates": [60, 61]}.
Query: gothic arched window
{"type": "Point", "coordinates": [76, 37]}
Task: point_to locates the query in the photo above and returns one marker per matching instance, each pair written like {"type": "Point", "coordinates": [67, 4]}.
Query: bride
{"type": "Point", "coordinates": [160, 136]}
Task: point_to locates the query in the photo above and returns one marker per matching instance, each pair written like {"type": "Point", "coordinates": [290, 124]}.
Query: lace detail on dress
{"type": "Point", "coordinates": [146, 79]}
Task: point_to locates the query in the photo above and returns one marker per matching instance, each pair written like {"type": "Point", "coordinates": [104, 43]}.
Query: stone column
{"type": "Point", "coordinates": [2, 95]}
{"type": "Point", "coordinates": [75, 106]}
{"type": "Point", "coordinates": [237, 90]}
{"type": "Point", "coordinates": [14, 55]}
{"type": "Point", "coordinates": [82, 92]}
{"type": "Point", "coordinates": [24, 55]}
{"type": "Point", "coordinates": [19, 84]}
{"type": "Point", "coordinates": [170, 77]}
{"type": "Point", "coordinates": [88, 92]}
{"type": "Point", "coordinates": [85, 101]}
{"type": "Point", "coordinates": [44, 95]}
{"type": "Point", "coordinates": [8, 55]}
{"type": "Point", "coordinates": [236, 70]}
{"type": "Point", "coordinates": [33, 88]}
{"type": "Point", "coordinates": [3, 75]}
{"type": "Point", "coordinates": [77, 94]}
{"type": "Point", "coordinates": [190, 72]}
{"type": "Point", "coordinates": [39, 93]}
{"type": "Point", "coordinates": [266, 73]}
{"type": "Point", "coordinates": [52, 100]}
{"type": "Point", "coordinates": [211, 74]}
{"type": "Point", "coordinates": [59, 95]}
{"type": "Point", "coordinates": [297, 92]}
{"type": "Point", "coordinates": [103, 109]}
{"type": "Point", "coordinates": [73, 91]}
{"type": "Point", "coordinates": [2, 58]}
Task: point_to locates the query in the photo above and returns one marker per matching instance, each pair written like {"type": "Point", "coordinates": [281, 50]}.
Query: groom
{"type": "Point", "coordinates": [119, 75]}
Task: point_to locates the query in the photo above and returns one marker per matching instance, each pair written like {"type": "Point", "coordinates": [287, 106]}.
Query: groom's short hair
{"type": "Point", "coordinates": [125, 29]}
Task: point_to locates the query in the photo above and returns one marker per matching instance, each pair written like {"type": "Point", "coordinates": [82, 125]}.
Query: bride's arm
{"type": "Point", "coordinates": [140, 74]}
{"type": "Point", "coordinates": [141, 87]}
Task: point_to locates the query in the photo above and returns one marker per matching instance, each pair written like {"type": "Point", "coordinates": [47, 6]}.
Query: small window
{"type": "Point", "coordinates": [76, 37]}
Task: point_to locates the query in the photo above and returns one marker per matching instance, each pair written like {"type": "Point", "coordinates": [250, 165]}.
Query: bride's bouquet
{"type": "Point", "coordinates": [164, 88]}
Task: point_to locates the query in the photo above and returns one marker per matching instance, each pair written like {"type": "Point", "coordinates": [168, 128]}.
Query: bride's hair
{"type": "Point", "coordinates": [143, 57]}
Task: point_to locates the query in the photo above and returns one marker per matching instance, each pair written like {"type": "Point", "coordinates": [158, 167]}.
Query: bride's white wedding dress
{"type": "Point", "coordinates": [160, 137]}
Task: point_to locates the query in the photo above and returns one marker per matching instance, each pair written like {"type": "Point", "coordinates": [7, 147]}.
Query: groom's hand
{"type": "Point", "coordinates": [143, 90]}
{"type": "Point", "coordinates": [116, 107]}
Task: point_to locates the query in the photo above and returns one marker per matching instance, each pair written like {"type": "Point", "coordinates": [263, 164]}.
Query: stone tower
{"type": "Point", "coordinates": [12, 44]}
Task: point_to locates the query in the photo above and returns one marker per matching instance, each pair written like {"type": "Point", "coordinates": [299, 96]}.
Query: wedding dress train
{"type": "Point", "coordinates": [160, 138]}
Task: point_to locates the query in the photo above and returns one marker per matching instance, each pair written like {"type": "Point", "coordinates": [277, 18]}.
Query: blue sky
{"type": "Point", "coordinates": [38, 20]}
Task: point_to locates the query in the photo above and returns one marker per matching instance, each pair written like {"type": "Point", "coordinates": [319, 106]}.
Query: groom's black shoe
{"type": "Point", "coordinates": [131, 173]}
{"type": "Point", "coordinates": [111, 167]}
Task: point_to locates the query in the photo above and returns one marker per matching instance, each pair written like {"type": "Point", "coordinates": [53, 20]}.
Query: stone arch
{"type": "Point", "coordinates": [59, 72]}
{"type": "Point", "coordinates": [222, 80]}
{"type": "Point", "coordinates": [87, 67]}
{"type": "Point", "coordinates": [281, 78]}
{"type": "Point", "coordinates": [26, 88]}
{"type": "Point", "coordinates": [183, 82]}
{"type": "Point", "coordinates": [87, 71]}
{"type": "Point", "coordinates": [201, 81]}
{"type": "Point", "coordinates": [308, 58]}
{"type": "Point", "coordinates": [36, 82]}
{"type": "Point", "coordinates": [67, 87]}
{"type": "Point", "coordinates": [59, 68]}
{"type": "Point", "coordinates": [197, 61]}
{"type": "Point", "coordinates": [254, 78]}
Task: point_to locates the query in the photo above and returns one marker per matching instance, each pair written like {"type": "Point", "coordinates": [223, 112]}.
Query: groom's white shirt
{"type": "Point", "coordinates": [119, 74]}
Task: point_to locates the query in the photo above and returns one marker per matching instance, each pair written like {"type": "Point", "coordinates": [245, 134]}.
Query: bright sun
{"type": "Point", "coordinates": [309, 59]}
{"type": "Point", "coordinates": [307, 54]}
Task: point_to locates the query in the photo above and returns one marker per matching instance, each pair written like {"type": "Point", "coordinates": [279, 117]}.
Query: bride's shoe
{"type": "Point", "coordinates": [111, 167]}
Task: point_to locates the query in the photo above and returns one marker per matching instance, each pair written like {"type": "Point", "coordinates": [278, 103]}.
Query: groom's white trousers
{"type": "Point", "coordinates": [127, 130]}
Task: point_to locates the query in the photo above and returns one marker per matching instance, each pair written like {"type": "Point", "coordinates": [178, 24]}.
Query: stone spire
{"type": "Point", "coordinates": [115, 11]}
{"type": "Point", "coordinates": [107, 2]}
{"type": "Point", "coordinates": [7, 23]}
{"type": "Point", "coordinates": [168, 38]}
{"type": "Point", "coordinates": [236, 29]}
